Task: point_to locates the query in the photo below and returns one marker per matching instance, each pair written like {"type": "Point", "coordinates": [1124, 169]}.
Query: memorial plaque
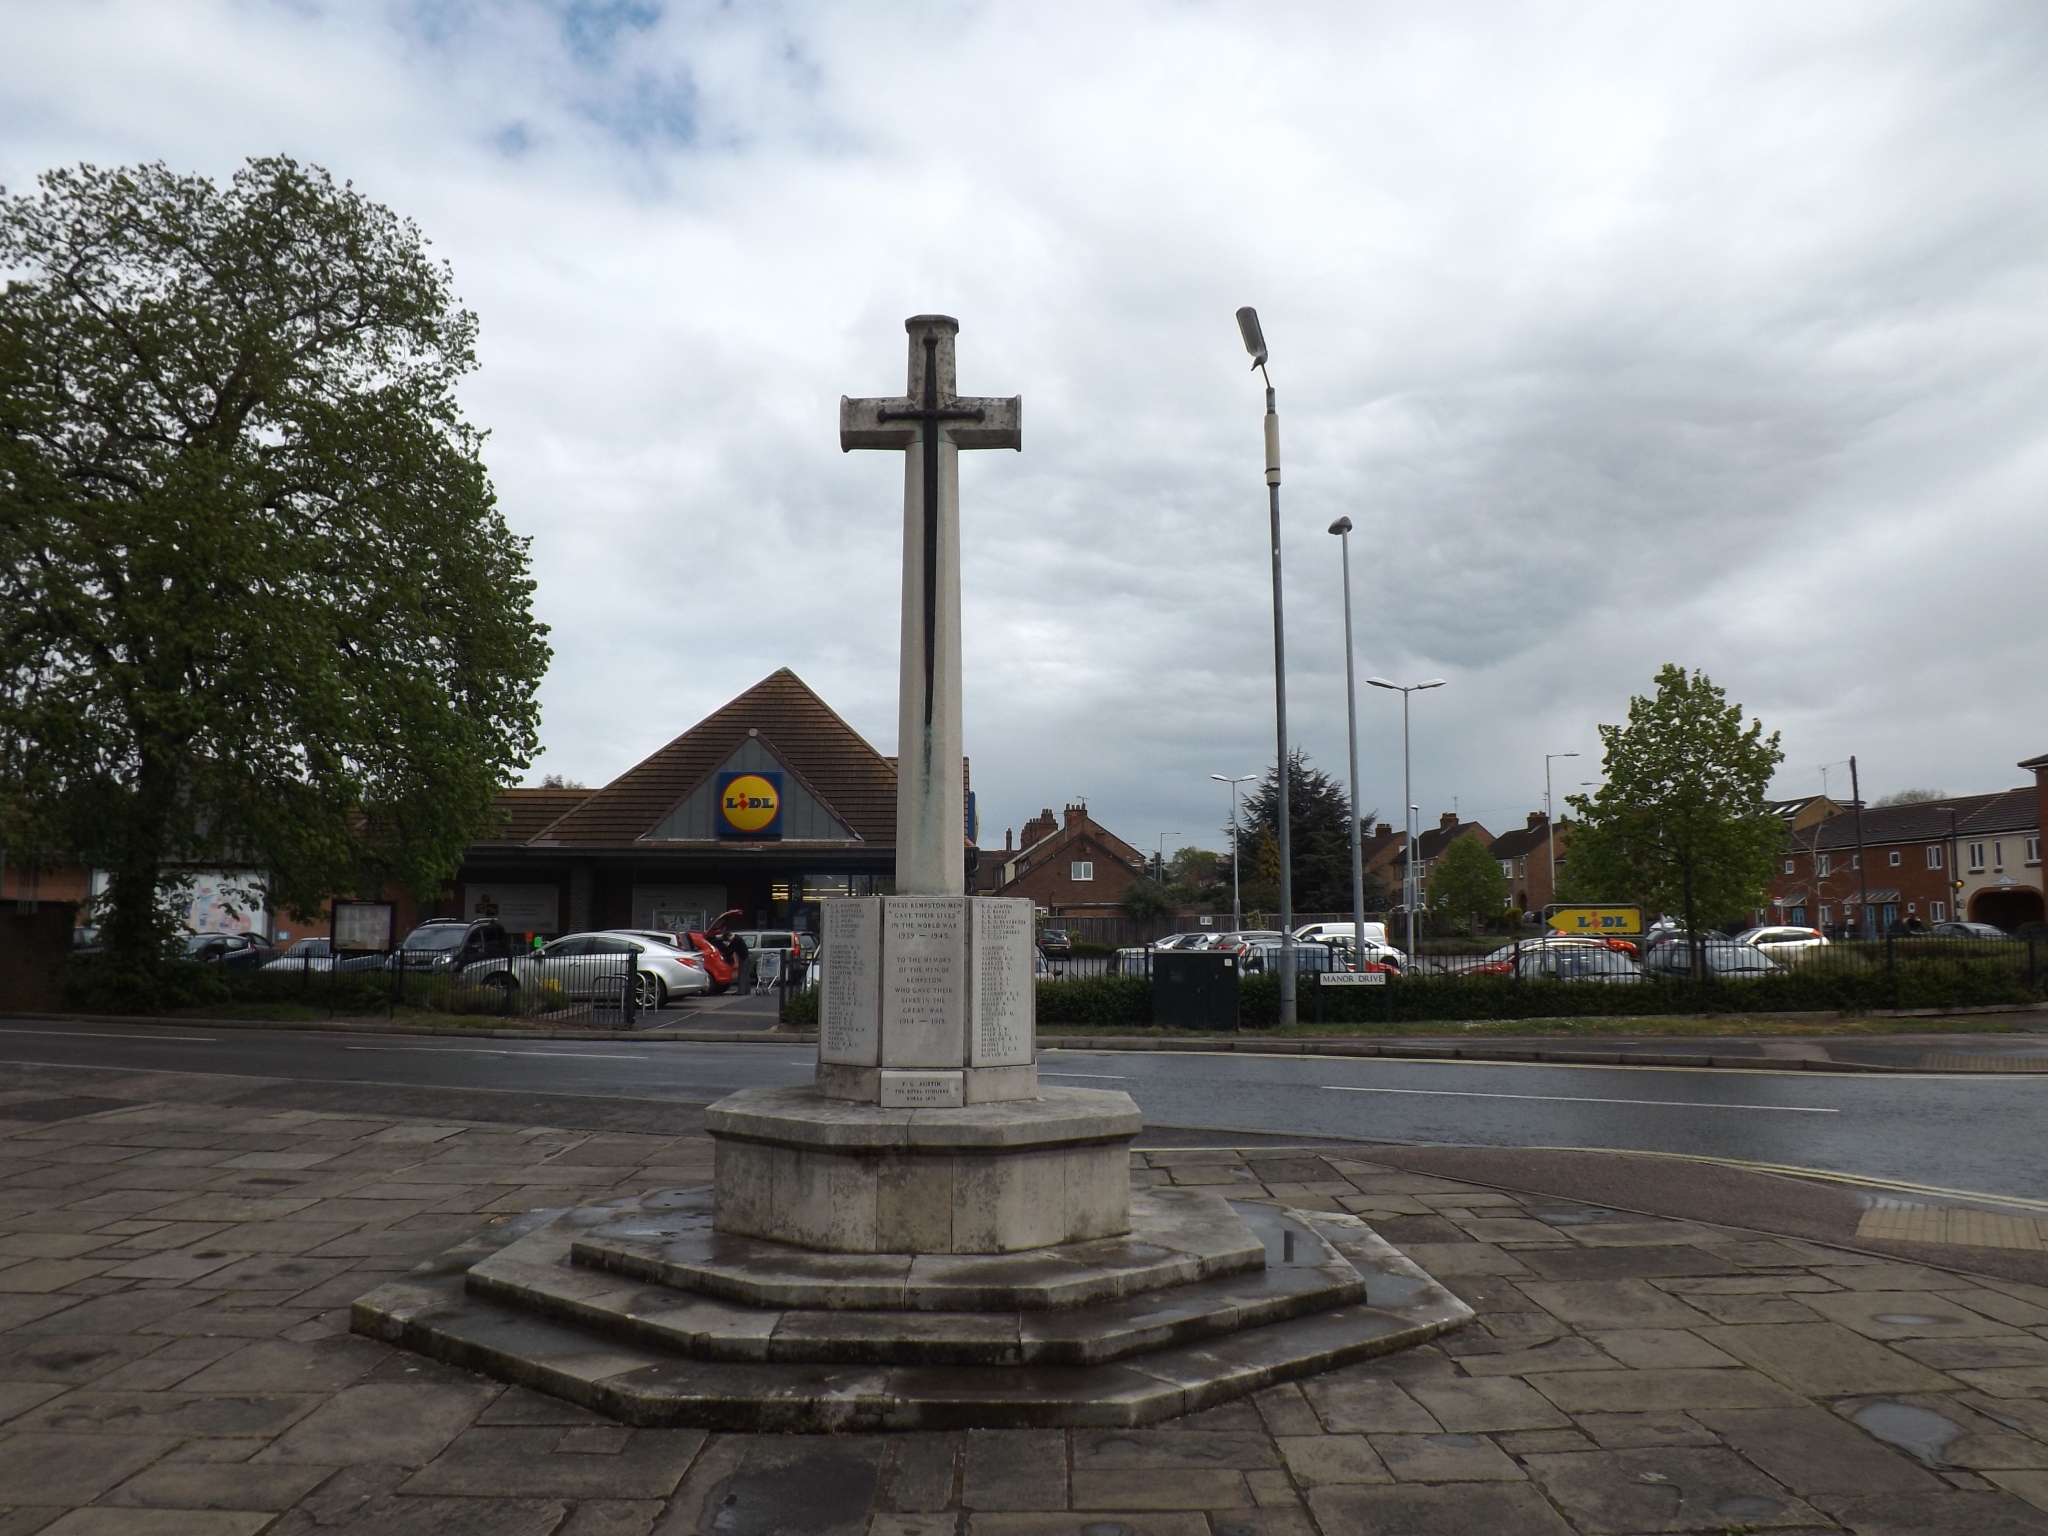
{"type": "Point", "coordinates": [849, 1002]}
{"type": "Point", "coordinates": [924, 981]}
{"type": "Point", "coordinates": [921, 1090]}
{"type": "Point", "coordinates": [1003, 1025]}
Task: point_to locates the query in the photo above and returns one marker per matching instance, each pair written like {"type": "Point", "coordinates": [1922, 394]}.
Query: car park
{"type": "Point", "coordinates": [1785, 943]}
{"type": "Point", "coordinates": [1959, 930]}
{"type": "Point", "coordinates": [304, 955]}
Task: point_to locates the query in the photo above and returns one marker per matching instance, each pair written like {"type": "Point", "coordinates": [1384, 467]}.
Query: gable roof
{"type": "Point", "coordinates": [524, 812]}
{"type": "Point", "coordinates": [1084, 825]}
{"type": "Point", "coordinates": [1525, 840]}
{"type": "Point", "coordinates": [1926, 821]}
{"type": "Point", "coordinates": [830, 756]}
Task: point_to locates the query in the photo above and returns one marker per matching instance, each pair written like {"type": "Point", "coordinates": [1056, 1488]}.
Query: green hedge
{"type": "Point", "coordinates": [1126, 1001]}
{"type": "Point", "coordinates": [98, 987]}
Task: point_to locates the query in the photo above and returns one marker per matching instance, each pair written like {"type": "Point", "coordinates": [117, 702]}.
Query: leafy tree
{"type": "Point", "coordinates": [1467, 882]}
{"type": "Point", "coordinates": [1319, 812]}
{"type": "Point", "coordinates": [1909, 797]}
{"type": "Point", "coordinates": [1147, 900]}
{"type": "Point", "coordinates": [257, 603]}
{"type": "Point", "coordinates": [1680, 826]}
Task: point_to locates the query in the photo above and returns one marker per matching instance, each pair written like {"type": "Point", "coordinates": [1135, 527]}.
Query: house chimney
{"type": "Point", "coordinates": [1535, 820]}
{"type": "Point", "coordinates": [1448, 820]}
{"type": "Point", "coordinates": [1384, 829]}
{"type": "Point", "coordinates": [1038, 829]}
{"type": "Point", "coordinates": [1008, 846]}
{"type": "Point", "coordinates": [1075, 813]}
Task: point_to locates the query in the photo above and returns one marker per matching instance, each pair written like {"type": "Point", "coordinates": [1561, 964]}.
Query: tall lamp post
{"type": "Point", "coordinates": [1342, 528]}
{"type": "Point", "coordinates": [1407, 799]}
{"type": "Point", "coordinates": [1255, 344]}
{"type": "Point", "coordinates": [1236, 911]}
{"type": "Point", "coordinates": [1955, 865]}
{"type": "Point", "coordinates": [1550, 821]}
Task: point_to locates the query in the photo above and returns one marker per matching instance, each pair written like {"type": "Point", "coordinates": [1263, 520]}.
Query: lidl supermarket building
{"type": "Point", "coordinates": [769, 805]}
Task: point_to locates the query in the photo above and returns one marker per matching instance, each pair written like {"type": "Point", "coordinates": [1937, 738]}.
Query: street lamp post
{"type": "Point", "coordinates": [1236, 912]}
{"type": "Point", "coordinates": [1255, 344]}
{"type": "Point", "coordinates": [1159, 858]}
{"type": "Point", "coordinates": [1955, 865]}
{"type": "Point", "coordinates": [1407, 799]}
{"type": "Point", "coordinates": [1342, 528]}
{"type": "Point", "coordinates": [1550, 821]}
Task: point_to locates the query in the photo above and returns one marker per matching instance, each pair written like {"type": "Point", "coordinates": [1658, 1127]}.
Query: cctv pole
{"type": "Point", "coordinates": [1255, 344]}
{"type": "Point", "coordinates": [1342, 528]}
{"type": "Point", "coordinates": [1236, 908]}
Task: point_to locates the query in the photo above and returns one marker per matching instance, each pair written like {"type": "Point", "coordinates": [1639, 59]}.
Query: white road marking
{"type": "Point", "coordinates": [1564, 1098]}
{"type": "Point", "coordinates": [86, 1034]}
{"type": "Point", "coordinates": [477, 1050]}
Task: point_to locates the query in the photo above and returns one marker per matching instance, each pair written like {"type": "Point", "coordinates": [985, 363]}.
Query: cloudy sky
{"type": "Point", "coordinates": [1712, 333]}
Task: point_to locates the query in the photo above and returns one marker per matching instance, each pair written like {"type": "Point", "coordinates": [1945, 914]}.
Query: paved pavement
{"type": "Point", "coordinates": [176, 1263]}
{"type": "Point", "coordinates": [1970, 1131]}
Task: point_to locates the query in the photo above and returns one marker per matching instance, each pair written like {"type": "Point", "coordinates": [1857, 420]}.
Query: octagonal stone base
{"type": "Point", "coordinates": [796, 1166]}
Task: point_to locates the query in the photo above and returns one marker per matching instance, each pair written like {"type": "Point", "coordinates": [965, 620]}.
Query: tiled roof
{"type": "Point", "coordinates": [523, 812]}
{"type": "Point", "coordinates": [1435, 840]}
{"type": "Point", "coordinates": [1926, 821]}
{"type": "Point", "coordinates": [1526, 840]}
{"type": "Point", "coordinates": [830, 756]}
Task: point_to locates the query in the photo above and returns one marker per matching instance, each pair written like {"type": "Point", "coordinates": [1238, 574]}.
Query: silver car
{"type": "Point", "coordinates": [305, 955]}
{"type": "Point", "coordinates": [592, 966]}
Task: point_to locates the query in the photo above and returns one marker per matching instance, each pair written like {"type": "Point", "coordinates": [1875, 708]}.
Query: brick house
{"type": "Point", "coordinates": [1524, 857]}
{"type": "Point", "coordinates": [1983, 863]}
{"type": "Point", "coordinates": [1383, 853]}
{"type": "Point", "coordinates": [1074, 867]}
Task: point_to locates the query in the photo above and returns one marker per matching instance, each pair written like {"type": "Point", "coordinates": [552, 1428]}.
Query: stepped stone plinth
{"type": "Point", "coordinates": [924, 1237]}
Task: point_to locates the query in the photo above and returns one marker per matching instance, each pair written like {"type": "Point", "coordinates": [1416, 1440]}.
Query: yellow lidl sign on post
{"type": "Point", "coordinates": [1597, 922]}
{"type": "Point", "coordinates": [750, 805]}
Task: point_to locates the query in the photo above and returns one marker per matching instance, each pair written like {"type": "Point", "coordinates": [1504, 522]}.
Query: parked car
{"type": "Point", "coordinates": [1783, 943]}
{"type": "Point", "coordinates": [1581, 961]}
{"type": "Point", "coordinates": [1505, 960]}
{"type": "Point", "coordinates": [305, 955]}
{"type": "Point", "coordinates": [717, 965]}
{"type": "Point", "coordinates": [230, 951]}
{"type": "Point", "coordinates": [1324, 932]}
{"type": "Point", "coordinates": [775, 951]}
{"type": "Point", "coordinates": [1179, 941]}
{"type": "Point", "coordinates": [1264, 956]}
{"type": "Point", "coordinates": [1055, 944]}
{"type": "Point", "coordinates": [1672, 955]}
{"type": "Point", "coordinates": [1956, 930]}
{"type": "Point", "coordinates": [441, 946]}
{"type": "Point", "coordinates": [1135, 960]}
{"type": "Point", "coordinates": [592, 966]}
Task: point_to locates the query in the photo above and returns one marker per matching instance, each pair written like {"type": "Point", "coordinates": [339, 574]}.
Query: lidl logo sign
{"type": "Point", "coordinates": [750, 805]}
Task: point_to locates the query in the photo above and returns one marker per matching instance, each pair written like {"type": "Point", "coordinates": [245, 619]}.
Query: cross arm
{"type": "Point", "coordinates": [862, 424]}
{"type": "Point", "coordinates": [980, 422]}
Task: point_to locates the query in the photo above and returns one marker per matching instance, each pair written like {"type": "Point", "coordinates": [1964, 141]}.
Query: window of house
{"type": "Point", "coordinates": [1827, 917]}
{"type": "Point", "coordinates": [1855, 861]}
{"type": "Point", "coordinates": [1934, 855]}
{"type": "Point", "coordinates": [2033, 850]}
{"type": "Point", "coordinates": [1938, 911]}
{"type": "Point", "coordinates": [1998, 856]}
{"type": "Point", "coordinates": [1507, 868]}
{"type": "Point", "coordinates": [1823, 864]}
{"type": "Point", "coordinates": [1081, 869]}
{"type": "Point", "coordinates": [1790, 865]}
{"type": "Point", "coordinates": [1977, 856]}
{"type": "Point", "coordinates": [1897, 858]}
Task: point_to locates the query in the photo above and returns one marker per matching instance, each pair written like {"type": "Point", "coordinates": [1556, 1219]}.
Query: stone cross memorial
{"type": "Point", "coordinates": [927, 994]}
{"type": "Point", "coordinates": [923, 1238]}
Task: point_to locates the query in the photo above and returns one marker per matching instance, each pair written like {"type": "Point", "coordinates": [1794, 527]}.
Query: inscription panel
{"type": "Point", "coordinates": [1002, 990]}
{"type": "Point", "coordinates": [849, 999]}
{"type": "Point", "coordinates": [921, 1090]}
{"type": "Point", "coordinates": [924, 981]}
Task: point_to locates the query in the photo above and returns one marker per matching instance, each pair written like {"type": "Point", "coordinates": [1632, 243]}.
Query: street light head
{"type": "Point", "coordinates": [1254, 338]}
{"type": "Point", "coordinates": [1342, 525]}
{"type": "Point", "coordinates": [1381, 682]}
{"type": "Point", "coordinates": [1434, 682]}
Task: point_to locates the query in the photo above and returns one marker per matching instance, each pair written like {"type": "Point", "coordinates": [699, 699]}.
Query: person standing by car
{"type": "Point", "coordinates": [742, 965]}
